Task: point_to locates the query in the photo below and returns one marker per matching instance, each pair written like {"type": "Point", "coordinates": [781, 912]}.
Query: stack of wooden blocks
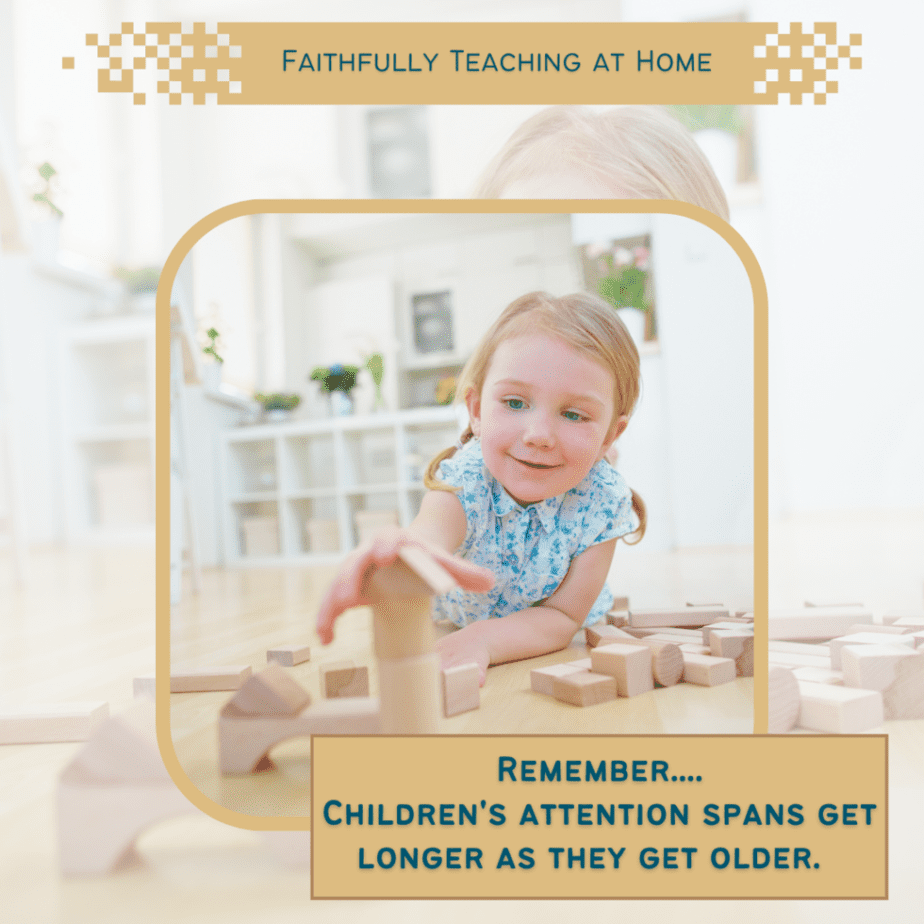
{"type": "Point", "coordinates": [638, 650]}
{"type": "Point", "coordinates": [832, 669]}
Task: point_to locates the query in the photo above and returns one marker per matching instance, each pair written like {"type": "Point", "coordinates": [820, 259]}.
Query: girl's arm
{"type": "Point", "coordinates": [540, 629]}
{"type": "Point", "coordinates": [439, 527]}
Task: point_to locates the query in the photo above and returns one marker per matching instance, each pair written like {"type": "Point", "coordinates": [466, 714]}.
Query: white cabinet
{"type": "Point", "coordinates": [107, 427]}
{"type": "Point", "coordinates": [305, 490]}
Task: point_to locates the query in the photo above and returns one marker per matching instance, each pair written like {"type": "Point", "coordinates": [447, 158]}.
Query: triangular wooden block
{"type": "Point", "coordinates": [270, 692]}
{"type": "Point", "coordinates": [123, 749]}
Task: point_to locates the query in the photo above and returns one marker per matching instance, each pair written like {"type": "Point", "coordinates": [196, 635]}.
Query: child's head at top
{"type": "Point", "coordinates": [623, 152]}
{"type": "Point", "coordinates": [549, 388]}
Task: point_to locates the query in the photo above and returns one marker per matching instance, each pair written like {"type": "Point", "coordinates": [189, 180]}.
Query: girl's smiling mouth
{"type": "Point", "coordinates": [536, 465]}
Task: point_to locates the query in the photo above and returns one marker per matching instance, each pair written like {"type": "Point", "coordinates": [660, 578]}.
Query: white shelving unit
{"type": "Point", "coordinates": [276, 478]}
{"type": "Point", "coordinates": [107, 406]}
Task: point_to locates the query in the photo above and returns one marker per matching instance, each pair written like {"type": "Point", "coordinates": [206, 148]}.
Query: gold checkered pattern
{"type": "Point", "coordinates": [183, 62]}
{"type": "Point", "coordinates": [804, 65]}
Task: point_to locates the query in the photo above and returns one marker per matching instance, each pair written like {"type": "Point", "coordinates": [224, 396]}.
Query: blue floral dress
{"type": "Point", "coordinates": [529, 549]}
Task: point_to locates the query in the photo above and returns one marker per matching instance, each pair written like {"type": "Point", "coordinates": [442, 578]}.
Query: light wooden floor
{"type": "Point", "coordinates": [84, 628]}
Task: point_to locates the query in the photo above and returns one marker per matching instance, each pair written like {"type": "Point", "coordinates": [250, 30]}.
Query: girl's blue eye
{"type": "Point", "coordinates": [574, 416]}
{"type": "Point", "coordinates": [515, 404]}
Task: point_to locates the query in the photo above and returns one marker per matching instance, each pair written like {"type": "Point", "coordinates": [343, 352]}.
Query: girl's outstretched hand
{"type": "Point", "coordinates": [347, 590]}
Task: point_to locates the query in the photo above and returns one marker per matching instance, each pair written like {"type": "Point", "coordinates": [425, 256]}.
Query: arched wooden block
{"type": "Point", "coordinates": [245, 740]}
{"type": "Point", "coordinates": [114, 788]}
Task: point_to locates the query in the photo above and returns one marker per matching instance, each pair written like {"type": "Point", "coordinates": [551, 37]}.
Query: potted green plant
{"type": "Point", "coordinates": [625, 284]}
{"type": "Point", "coordinates": [337, 381]}
{"type": "Point", "coordinates": [47, 232]}
{"type": "Point", "coordinates": [212, 372]}
{"type": "Point", "coordinates": [376, 366]}
{"type": "Point", "coordinates": [279, 405]}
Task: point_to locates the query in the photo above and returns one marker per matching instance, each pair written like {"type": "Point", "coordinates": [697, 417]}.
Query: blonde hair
{"type": "Point", "coordinates": [640, 152]}
{"type": "Point", "coordinates": [585, 322]}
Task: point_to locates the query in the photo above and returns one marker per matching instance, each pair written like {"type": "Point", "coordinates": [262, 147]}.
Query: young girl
{"type": "Point", "coordinates": [525, 511]}
{"type": "Point", "coordinates": [620, 152]}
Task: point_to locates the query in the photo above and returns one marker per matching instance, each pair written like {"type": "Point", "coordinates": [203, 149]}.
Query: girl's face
{"type": "Point", "coordinates": [544, 416]}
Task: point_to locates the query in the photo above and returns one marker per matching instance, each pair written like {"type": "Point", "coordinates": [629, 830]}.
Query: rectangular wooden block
{"type": "Point", "coordinates": [271, 692]}
{"type": "Point", "coordinates": [541, 679]}
{"type": "Point", "coordinates": [618, 618]}
{"type": "Point", "coordinates": [667, 633]}
{"type": "Point", "coordinates": [460, 689]}
{"type": "Point", "coordinates": [839, 710]}
{"type": "Point", "coordinates": [628, 665]}
{"type": "Point", "coordinates": [706, 670]}
{"type": "Point", "coordinates": [725, 626]}
{"type": "Point", "coordinates": [205, 680]}
{"type": "Point", "coordinates": [344, 679]}
{"type": "Point", "coordinates": [788, 659]}
{"type": "Point", "coordinates": [51, 722]}
{"type": "Point", "coordinates": [584, 689]}
{"type": "Point", "coordinates": [289, 655]}
{"type": "Point", "coordinates": [814, 622]}
{"type": "Point", "coordinates": [873, 667]}
{"type": "Point", "coordinates": [905, 698]}
{"type": "Point", "coordinates": [818, 675]}
{"type": "Point", "coordinates": [601, 634]}
{"type": "Point", "coordinates": [357, 715]}
{"type": "Point", "coordinates": [867, 638]}
{"type": "Point", "coordinates": [691, 617]}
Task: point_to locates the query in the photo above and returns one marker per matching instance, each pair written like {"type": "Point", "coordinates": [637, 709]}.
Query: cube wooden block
{"type": "Point", "coordinates": [460, 689]}
{"type": "Point", "coordinates": [706, 670]}
{"type": "Point", "coordinates": [905, 698]}
{"type": "Point", "coordinates": [601, 634]}
{"type": "Point", "coordinates": [584, 688]}
{"type": "Point", "coordinates": [839, 710]}
{"type": "Point", "coordinates": [618, 618]}
{"type": "Point", "coordinates": [271, 692]}
{"type": "Point", "coordinates": [666, 660]}
{"type": "Point", "coordinates": [873, 667]}
{"type": "Point", "coordinates": [344, 679]}
{"type": "Point", "coordinates": [289, 655]}
{"type": "Point", "coordinates": [51, 722]}
{"type": "Point", "coordinates": [782, 700]}
{"type": "Point", "coordinates": [726, 643]}
{"type": "Point", "coordinates": [628, 665]}
{"type": "Point", "coordinates": [541, 679]}
{"type": "Point", "coordinates": [867, 638]}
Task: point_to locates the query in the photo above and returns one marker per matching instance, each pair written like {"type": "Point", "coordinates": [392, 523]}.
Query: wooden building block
{"type": "Point", "coordinates": [245, 739]}
{"type": "Point", "coordinates": [628, 665]}
{"type": "Point", "coordinates": [666, 660]}
{"type": "Point", "coordinates": [905, 698]}
{"type": "Point", "coordinates": [908, 621]}
{"type": "Point", "coordinates": [787, 659]}
{"type": "Point", "coordinates": [918, 639]}
{"type": "Point", "coordinates": [343, 678]}
{"type": "Point", "coordinates": [271, 692]}
{"type": "Point", "coordinates": [50, 722]}
{"type": "Point", "coordinates": [737, 645]}
{"type": "Point", "coordinates": [584, 689]}
{"type": "Point", "coordinates": [620, 604]}
{"type": "Point", "coordinates": [706, 670]}
{"type": "Point", "coordinates": [814, 622]}
{"type": "Point", "coordinates": [725, 626]}
{"type": "Point", "coordinates": [782, 700]}
{"type": "Point", "coordinates": [867, 638]}
{"type": "Point", "coordinates": [818, 649]}
{"type": "Point", "coordinates": [690, 617]}
{"type": "Point", "coordinates": [838, 710]}
{"type": "Point", "coordinates": [602, 634]}
{"type": "Point", "coordinates": [411, 688]}
{"type": "Point", "coordinates": [428, 569]}
{"type": "Point", "coordinates": [461, 691]}
{"type": "Point", "coordinates": [206, 680]}
{"type": "Point", "coordinates": [694, 648]}
{"type": "Point", "coordinates": [668, 633]}
{"type": "Point", "coordinates": [618, 618]}
{"type": "Point", "coordinates": [541, 679]}
{"type": "Point", "coordinates": [115, 787]}
{"type": "Point", "coordinates": [872, 667]}
{"type": "Point", "coordinates": [289, 655]}
{"type": "Point", "coordinates": [818, 675]}
{"type": "Point", "coordinates": [880, 629]}
{"type": "Point", "coordinates": [829, 604]}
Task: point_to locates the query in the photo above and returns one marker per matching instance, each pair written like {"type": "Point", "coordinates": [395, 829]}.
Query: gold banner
{"type": "Point", "coordinates": [602, 817]}
{"type": "Point", "coordinates": [438, 63]}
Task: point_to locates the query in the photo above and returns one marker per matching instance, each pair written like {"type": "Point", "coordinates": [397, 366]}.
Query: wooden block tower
{"type": "Point", "coordinates": [409, 668]}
